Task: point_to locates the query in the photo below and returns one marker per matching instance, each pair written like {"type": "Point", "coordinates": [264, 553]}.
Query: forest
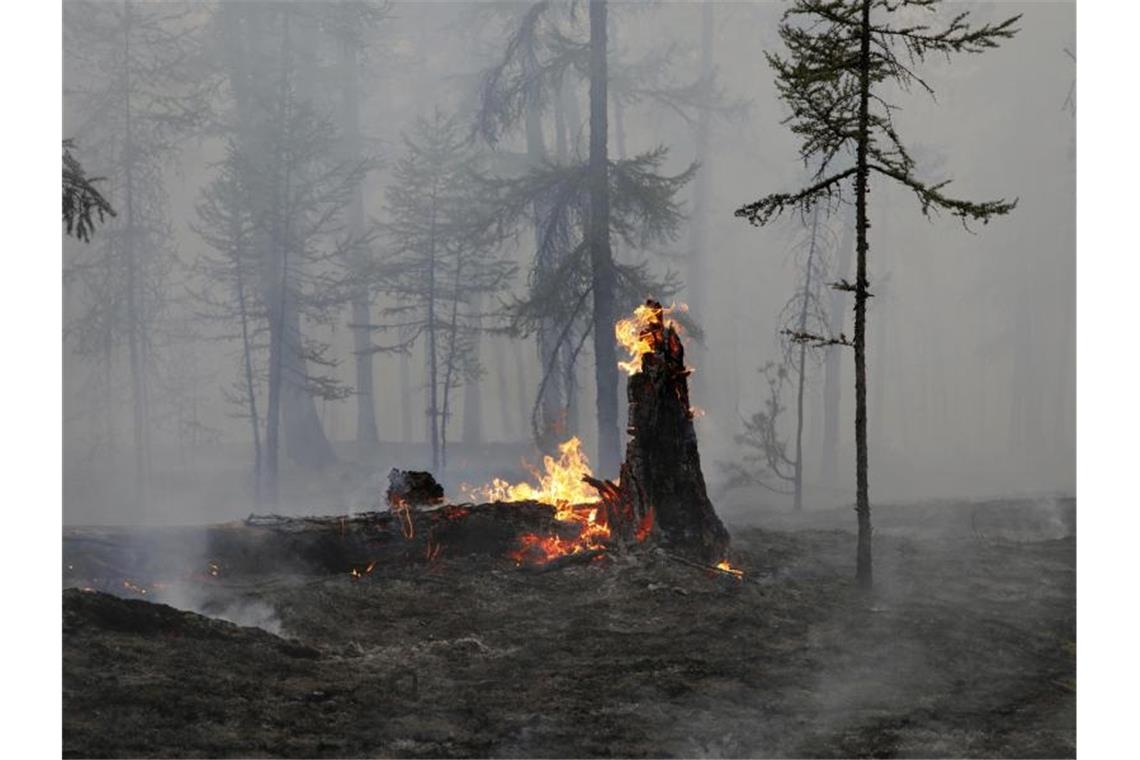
{"type": "Point", "coordinates": [569, 378]}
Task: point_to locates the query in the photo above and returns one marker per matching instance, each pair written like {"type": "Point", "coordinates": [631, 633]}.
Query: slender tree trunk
{"type": "Point", "coordinates": [524, 405]}
{"type": "Point", "coordinates": [862, 495]}
{"type": "Point", "coordinates": [832, 366]}
{"type": "Point", "coordinates": [406, 396]}
{"type": "Point", "coordinates": [134, 319]}
{"type": "Point", "coordinates": [798, 476]}
{"type": "Point", "coordinates": [601, 256]}
{"type": "Point", "coordinates": [271, 490]}
{"type": "Point", "coordinates": [432, 352]}
{"type": "Point", "coordinates": [366, 433]}
{"type": "Point", "coordinates": [551, 402]}
{"type": "Point", "coordinates": [472, 388]}
{"type": "Point", "coordinates": [450, 368]}
{"type": "Point", "coordinates": [305, 441]}
{"type": "Point", "coordinates": [250, 382]}
{"type": "Point", "coordinates": [696, 282]}
{"type": "Point", "coordinates": [499, 356]}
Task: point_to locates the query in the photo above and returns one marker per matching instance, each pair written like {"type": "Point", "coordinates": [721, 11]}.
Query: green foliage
{"type": "Point", "coordinates": [821, 80]}
{"type": "Point", "coordinates": [81, 200]}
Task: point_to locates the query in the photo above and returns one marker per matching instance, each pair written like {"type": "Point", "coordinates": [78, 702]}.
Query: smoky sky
{"type": "Point", "coordinates": [971, 334]}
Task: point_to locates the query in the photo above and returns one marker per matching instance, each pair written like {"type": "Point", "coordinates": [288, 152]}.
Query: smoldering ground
{"type": "Point", "coordinates": [967, 649]}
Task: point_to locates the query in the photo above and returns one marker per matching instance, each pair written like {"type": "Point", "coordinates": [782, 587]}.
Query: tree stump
{"type": "Point", "coordinates": [661, 479]}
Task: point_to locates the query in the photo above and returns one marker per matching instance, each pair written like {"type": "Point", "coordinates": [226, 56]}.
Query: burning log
{"type": "Point", "coordinates": [568, 518]}
{"type": "Point", "coordinates": [661, 479]}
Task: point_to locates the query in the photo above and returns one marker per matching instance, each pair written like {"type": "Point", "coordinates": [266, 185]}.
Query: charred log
{"type": "Point", "coordinates": [138, 560]}
{"type": "Point", "coordinates": [413, 488]}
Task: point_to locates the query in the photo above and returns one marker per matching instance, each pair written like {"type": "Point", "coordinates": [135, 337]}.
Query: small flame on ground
{"type": "Point", "coordinates": [725, 567]}
{"type": "Point", "coordinates": [130, 585]}
{"type": "Point", "coordinates": [357, 573]}
{"type": "Point", "coordinates": [634, 336]}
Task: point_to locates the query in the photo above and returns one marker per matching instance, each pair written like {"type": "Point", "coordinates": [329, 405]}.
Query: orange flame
{"type": "Point", "coordinates": [403, 511]}
{"type": "Point", "coordinates": [634, 336]}
{"type": "Point", "coordinates": [644, 526]}
{"type": "Point", "coordinates": [725, 567]}
{"type": "Point", "coordinates": [560, 485]}
{"type": "Point", "coordinates": [357, 573]}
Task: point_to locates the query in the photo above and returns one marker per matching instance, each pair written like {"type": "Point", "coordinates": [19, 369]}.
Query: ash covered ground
{"type": "Point", "coordinates": [968, 648]}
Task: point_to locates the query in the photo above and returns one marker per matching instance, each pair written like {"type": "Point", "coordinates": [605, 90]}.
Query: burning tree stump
{"type": "Point", "coordinates": [661, 479]}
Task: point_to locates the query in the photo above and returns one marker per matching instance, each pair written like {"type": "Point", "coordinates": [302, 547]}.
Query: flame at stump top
{"type": "Point", "coordinates": [662, 468]}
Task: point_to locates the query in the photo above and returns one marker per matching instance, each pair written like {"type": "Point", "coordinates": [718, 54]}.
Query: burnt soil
{"type": "Point", "coordinates": [967, 648]}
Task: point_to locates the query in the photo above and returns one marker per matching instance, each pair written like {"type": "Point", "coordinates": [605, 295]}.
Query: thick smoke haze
{"type": "Point", "coordinates": [971, 337]}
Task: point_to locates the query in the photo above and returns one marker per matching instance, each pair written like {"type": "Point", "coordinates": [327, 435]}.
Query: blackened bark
{"type": "Point", "coordinates": [601, 255]}
{"type": "Point", "coordinates": [662, 473]}
{"type": "Point", "coordinates": [862, 496]}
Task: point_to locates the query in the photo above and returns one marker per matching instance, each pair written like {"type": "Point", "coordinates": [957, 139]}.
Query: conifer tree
{"type": "Point", "coordinates": [843, 58]}
{"type": "Point", "coordinates": [81, 199]}
{"type": "Point", "coordinates": [442, 262]}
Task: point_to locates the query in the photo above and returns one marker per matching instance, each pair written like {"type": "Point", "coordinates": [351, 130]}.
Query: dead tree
{"type": "Point", "coordinates": [661, 477]}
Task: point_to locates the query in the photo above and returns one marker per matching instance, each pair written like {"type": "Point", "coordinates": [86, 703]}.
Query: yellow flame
{"type": "Point", "coordinates": [724, 566]}
{"type": "Point", "coordinates": [560, 485]}
{"type": "Point", "coordinates": [631, 335]}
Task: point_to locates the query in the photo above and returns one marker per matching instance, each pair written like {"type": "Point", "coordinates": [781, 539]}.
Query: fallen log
{"type": "Point", "coordinates": [269, 545]}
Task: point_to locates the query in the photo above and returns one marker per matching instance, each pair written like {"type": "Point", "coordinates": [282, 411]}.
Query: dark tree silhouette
{"type": "Point", "coordinates": [634, 203]}
{"type": "Point", "coordinates": [81, 201]}
{"type": "Point", "coordinates": [443, 260]}
{"type": "Point", "coordinates": [843, 56]}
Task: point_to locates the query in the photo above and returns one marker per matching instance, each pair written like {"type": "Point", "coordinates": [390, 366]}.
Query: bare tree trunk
{"type": "Point", "coordinates": [134, 317]}
{"type": "Point", "coordinates": [366, 433]}
{"type": "Point", "coordinates": [862, 496]}
{"type": "Point", "coordinates": [406, 397]}
{"type": "Point", "coordinates": [551, 402]}
{"type": "Point", "coordinates": [499, 357]}
{"type": "Point", "coordinates": [523, 399]}
{"type": "Point", "coordinates": [432, 352]}
{"type": "Point", "coordinates": [798, 476]}
{"type": "Point", "coordinates": [250, 381]}
{"type": "Point", "coordinates": [832, 365]}
{"type": "Point", "coordinates": [472, 388]}
{"type": "Point", "coordinates": [449, 378]}
{"type": "Point", "coordinates": [601, 255]}
{"type": "Point", "coordinates": [305, 440]}
{"type": "Point", "coordinates": [696, 284]}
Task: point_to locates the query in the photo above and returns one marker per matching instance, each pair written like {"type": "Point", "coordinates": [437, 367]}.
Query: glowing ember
{"type": "Point", "coordinates": [132, 586]}
{"type": "Point", "coordinates": [636, 338]}
{"type": "Point", "coordinates": [357, 573]}
{"type": "Point", "coordinates": [403, 510]}
{"type": "Point", "coordinates": [725, 567]}
{"type": "Point", "coordinates": [644, 526]}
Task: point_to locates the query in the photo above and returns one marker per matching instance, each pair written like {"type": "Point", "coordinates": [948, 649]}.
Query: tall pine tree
{"type": "Point", "coordinates": [844, 57]}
